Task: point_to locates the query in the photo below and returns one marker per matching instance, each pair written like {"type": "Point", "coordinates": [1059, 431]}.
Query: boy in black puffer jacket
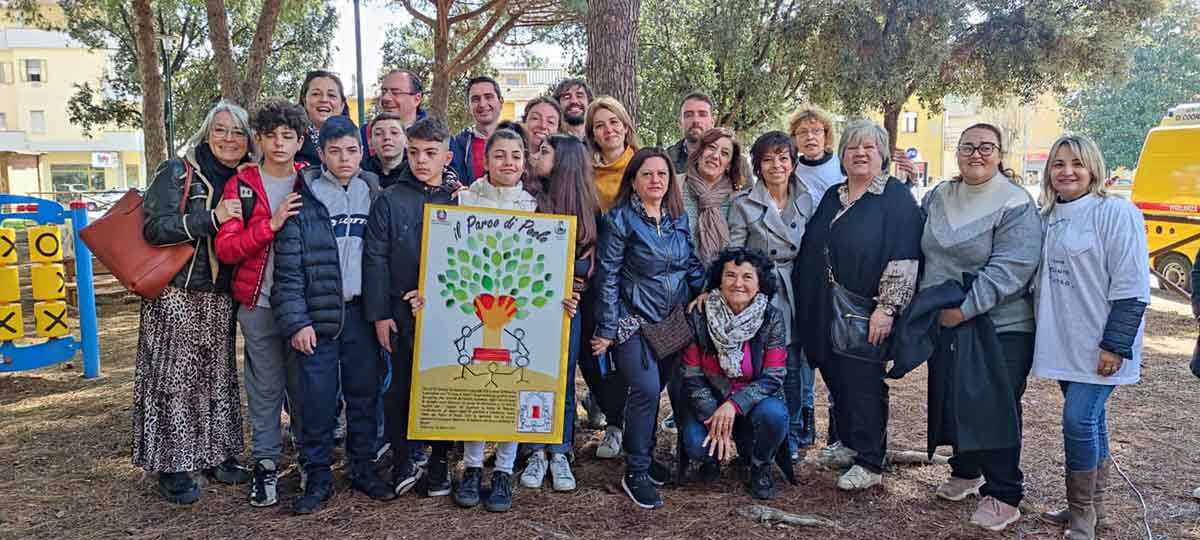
{"type": "Point", "coordinates": [318, 286]}
{"type": "Point", "coordinates": [390, 279]}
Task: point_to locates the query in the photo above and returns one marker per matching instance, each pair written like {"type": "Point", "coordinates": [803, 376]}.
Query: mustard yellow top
{"type": "Point", "coordinates": [608, 177]}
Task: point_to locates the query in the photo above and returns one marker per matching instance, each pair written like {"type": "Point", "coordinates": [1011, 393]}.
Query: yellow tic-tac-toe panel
{"type": "Point", "coordinates": [49, 282]}
{"type": "Point", "coordinates": [45, 244]}
{"type": "Point", "coordinates": [10, 285]}
{"type": "Point", "coordinates": [8, 245]}
{"type": "Point", "coordinates": [51, 319]}
{"type": "Point", "coordinates": [12, 325]}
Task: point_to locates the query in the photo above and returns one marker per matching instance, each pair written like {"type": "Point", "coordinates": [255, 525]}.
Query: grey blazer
{"type": "Point", "coordinates": [754, 222]}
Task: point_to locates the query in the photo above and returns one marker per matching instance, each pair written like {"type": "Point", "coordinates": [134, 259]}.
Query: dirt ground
{"type": "Point", "coordinates": [65, 471]}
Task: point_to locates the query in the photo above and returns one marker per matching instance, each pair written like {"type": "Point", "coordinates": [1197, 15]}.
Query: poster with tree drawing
{"type": "Point", "coordinates": [491, 341]}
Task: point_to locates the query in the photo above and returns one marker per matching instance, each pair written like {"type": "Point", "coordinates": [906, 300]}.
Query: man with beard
{"type": "Point", "coordinates": [695, 117]}
{"type": "Point", "coordinates": [467, 147]}
{"type": "Point", "coordinates": [574, 96]}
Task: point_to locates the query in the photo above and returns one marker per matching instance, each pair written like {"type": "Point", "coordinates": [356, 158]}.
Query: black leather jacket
{"type": "Point", "coordinates": [645, 268]}
{"type": "Point", "coordinates": [165, 225]}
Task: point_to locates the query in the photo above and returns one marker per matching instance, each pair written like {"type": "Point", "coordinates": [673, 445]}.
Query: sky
{"type": "Point", "coordinates": [376, 17]}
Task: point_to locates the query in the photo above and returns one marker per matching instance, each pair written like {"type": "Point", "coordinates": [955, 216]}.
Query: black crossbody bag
{"type": "Point", "coordinates": [851, 324]}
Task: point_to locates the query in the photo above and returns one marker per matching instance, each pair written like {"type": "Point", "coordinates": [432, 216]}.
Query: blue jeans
{"type": "Point", "coordinates": [385, 381]}
{"type": "Point", "coordinates": [765, 428]}
{"type": "Point", "coordinates": [646, 378]}
{"type": "Point", "coordinates": [798, 390]}
{"type": "Point", "coordinates": [357, 354]}
{"type": "Point", "coordinates": [568, 417]}
{"type": "Point", "coordinates": [1085, 424]}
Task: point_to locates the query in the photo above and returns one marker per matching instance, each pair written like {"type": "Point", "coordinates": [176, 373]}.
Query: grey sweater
{"type": "Point", "coordinates": [348, 210]}
{"type": "Point", "coordinates": [993, 231]}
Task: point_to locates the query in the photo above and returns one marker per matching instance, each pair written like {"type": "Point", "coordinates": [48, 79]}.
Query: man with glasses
{"type": "Point", "coordinates": [400, 93]}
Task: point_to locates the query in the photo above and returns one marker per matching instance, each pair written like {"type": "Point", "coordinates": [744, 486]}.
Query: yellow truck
{"type": "Point", "coordinates": [1166, 188]}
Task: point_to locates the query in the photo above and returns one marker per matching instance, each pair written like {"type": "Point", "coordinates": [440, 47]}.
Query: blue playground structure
{"type": "Point", "coordinates": [49, 285]}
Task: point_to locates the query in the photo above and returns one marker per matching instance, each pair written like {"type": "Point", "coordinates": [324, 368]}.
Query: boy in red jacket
{"type": "Point", "coordinates": [265, 191]}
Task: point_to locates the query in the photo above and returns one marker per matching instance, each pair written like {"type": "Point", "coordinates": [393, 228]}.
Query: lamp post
{"type": "Point", "coordinates": [362, 115]}
{"type": "Point", "coordinates": [165, 42]}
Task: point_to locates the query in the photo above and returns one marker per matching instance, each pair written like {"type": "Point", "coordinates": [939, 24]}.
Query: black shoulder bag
{"type": "Point", "coordinates": [851, 324]}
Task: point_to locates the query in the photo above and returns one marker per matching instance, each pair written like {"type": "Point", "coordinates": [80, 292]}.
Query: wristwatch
{"type": "Point", "coordinates": [888, 310]}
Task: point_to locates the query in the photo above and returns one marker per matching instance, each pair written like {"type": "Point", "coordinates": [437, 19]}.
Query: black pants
{"type": "Point", "coordinates": [397, 401]}
{"type": "Point", "coordinates": [861, 395]}
{"type": "Point", "coordinates": [647, 378]}
{"type": "Point", "coordinates": [1001, 468]}
{"type": "Point", "coordinates": [608, 389]}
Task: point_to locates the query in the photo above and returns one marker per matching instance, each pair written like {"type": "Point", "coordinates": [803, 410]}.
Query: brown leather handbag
{"type": "Point", "coordinates": [668, 336]}
{"type": "Point", "coordinates": [117, 240]}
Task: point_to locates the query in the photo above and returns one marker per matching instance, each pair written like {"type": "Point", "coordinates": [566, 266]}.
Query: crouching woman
{"type": "Point", "coordinates": [733, 374]}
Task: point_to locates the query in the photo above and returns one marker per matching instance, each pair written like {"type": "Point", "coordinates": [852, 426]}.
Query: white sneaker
{"type": "Point", "coordinates": [1196, 494]}
{"type": "Point", "coordinates": [382, 450]}
{"type": "Point", "coordinates": [560, 473]}
{"type": "Point", "coordinates": [610, 447]}
{"type": "Point", "coordinates": [858, 478]}
{"type": "Point", "coordinates": [535, 471]}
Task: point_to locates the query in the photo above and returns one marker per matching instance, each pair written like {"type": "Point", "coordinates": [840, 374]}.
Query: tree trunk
{"type": "Point", "coordinates": [153, 115]}
{"type": "Point", "coordinates": [612, 47]}
{"type": "Point", "coordinates": [439, 102]}
{"type": "Point", "coordinates": [260, 50]}
{"type": "Point", "coordinates": [218, 36]}
{"type": "Point", "coordinates": [891, 122]}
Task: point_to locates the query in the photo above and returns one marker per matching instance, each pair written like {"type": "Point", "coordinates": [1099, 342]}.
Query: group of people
{"type": "Point", "coordinates": [804, 257]}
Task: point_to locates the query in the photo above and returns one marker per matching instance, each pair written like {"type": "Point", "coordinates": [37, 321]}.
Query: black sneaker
{"type": "Point", "coordinates": [467, 495]}
{"type": "Point", "coordinates": [710, 472]}
{"type": "Point", "coordinates": [659, 474]}
{"type": "Point", "coordinates": [367, 481]}
{"type": "Point", "coordinates": [178, 488]}
{"type": "Point", "coordinates": [229, 472]}
{"type": "Point", "coordinates": [263, 492]}
{"type": "Point", "coordinates": [762, 486]}
{"type": "Point", "coordinates": [318, 490]}
{"type": "Point", "coordinates": [404, 479]}
{"type": "Point", "coordinates": [500, 499]}
{"type": "Point", "coordinates": [438, 479]}
{"type": "Point", "coordinates": [641, 490]}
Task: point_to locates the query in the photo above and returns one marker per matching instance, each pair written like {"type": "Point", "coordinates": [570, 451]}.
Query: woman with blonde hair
{"type": "Point", "coordinates": [1093, 289]}
{"type": "Point", "coordinates": [612, 138]}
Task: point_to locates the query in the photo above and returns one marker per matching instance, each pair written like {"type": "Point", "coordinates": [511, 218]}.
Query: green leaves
{"type": "Point", "coordinates": [498, 264]}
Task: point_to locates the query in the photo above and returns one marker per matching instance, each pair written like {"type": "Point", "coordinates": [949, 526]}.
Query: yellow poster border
{"type": "Point", "coordinates": [556, 434]}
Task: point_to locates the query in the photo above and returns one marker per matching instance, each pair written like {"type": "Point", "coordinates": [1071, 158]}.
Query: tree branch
{"type": "Point", "coordinates": [416, 14]}
{"type": "Point", "coordinates": [218, 37]}
{"type": "Point", "coordinates": [490, 4]}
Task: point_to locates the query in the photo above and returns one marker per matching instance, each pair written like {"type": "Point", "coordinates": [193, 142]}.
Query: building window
{"type": "Point", "coordinates": [132, 173]}
{"type": "Point", "coordinates": [512, 82]}
{"type": "Point", "coordinates": [35, 70]}
{"type": "Point", "coordinates": [73, 178]}
{"type": "Point", "coordinates": [37, 121]}
{"type": "Point", "coordinates": [908, 122]}
{"type": "Point", "coordinates": [6, 73]}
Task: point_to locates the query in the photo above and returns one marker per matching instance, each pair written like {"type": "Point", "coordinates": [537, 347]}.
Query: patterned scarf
{"type": "Point", "coordinates": [712, 230]}
{"type": "Point", "coordinates": [729, 331]}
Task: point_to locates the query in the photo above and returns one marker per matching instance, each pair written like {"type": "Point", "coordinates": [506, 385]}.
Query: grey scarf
{"type": "Point", "coordinates": [729, 331]}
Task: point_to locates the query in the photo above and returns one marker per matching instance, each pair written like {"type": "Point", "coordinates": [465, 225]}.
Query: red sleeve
{"type": "Point", "coordinates": [775, 358]}
{"type": "Point", "coordinates": [237, 240]}
{"type": "Point", "coordinates": [691, 356]}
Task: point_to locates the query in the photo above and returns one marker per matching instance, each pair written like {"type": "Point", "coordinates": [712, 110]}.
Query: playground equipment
{"type": "Point", "coordinates": [49, 284]}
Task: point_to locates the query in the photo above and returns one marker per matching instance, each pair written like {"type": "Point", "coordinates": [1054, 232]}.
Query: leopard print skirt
{"type": "Point", "coordinates": [186, 401]}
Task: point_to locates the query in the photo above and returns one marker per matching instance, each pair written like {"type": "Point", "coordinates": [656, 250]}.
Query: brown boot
{"type": "Point", "coordinates": [1098, 498]}
{"type": "Point", "coordinates": [1081, 490]}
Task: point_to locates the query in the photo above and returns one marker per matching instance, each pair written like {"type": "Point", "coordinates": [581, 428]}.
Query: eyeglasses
{"type": "Point", "coordinates": [816, 132]}
{"type": "Point", "coordinates": [400, 92]}
{"type": "Point", "coordinates": [986, 149]}
{"type": "Point", "coordinates": [224, 133]}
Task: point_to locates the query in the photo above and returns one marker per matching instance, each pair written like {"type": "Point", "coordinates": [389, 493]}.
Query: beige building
{"type": "Point", "coordinates": [40, 150]}
{"type": "Point", "coordinates": [520, 85]}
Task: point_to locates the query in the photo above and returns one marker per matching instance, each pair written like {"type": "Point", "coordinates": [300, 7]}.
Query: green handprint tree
{"type": "Point", "coordinates": [497, 277]}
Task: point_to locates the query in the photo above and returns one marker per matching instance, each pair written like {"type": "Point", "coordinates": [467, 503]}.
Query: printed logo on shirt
{"type": "Point", "coordinates": [356, 224]}
{"type": "Point", "coordinates": [245, 192]}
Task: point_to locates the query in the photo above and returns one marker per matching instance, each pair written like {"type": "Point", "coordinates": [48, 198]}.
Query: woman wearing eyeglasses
{"type": "Point", "coordinates": [982, 224]}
